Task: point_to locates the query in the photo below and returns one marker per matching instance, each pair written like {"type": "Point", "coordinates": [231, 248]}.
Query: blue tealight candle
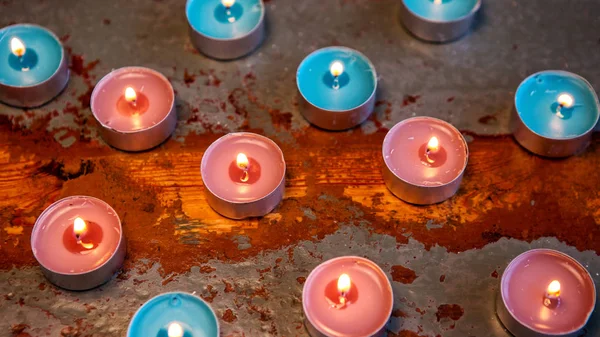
{"type": "Point", "coordinates": [337, 86]}
{"type": "Point", "coordinates": [174, 314]}
{"type": "Point", "coordinates": [33, 66]}
{"type": "Point", "coordinates": [555, 113]}
{"type": "Point", "coordinates": [226, 29]}
{"type": "Point", "coordinates": [439, 20]}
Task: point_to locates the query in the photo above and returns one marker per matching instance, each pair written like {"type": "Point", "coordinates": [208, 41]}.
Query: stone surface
{"type": "Point", "coordinates": [448, 257]}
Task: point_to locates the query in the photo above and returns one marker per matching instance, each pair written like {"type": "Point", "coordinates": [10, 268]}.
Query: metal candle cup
{"type": "Point", "coordinates": [190, 314]}
{"type": "Point", "coordinates": [337, 87]}
{"type": "Point", "coordinates": [420, 175]}
{"type": "Point", "coordinates": [226, 32]}
{"type": "Point", "coordinates": [34, 73]}
{"type": "Point", "coordinates": [243, 175]}
{"type": "Point", "coordinates": [524, 303]}
{"type": "Point", "coordinates": [134, 123]}
{"type": "Point", "coordinates": [438, 20]}
{"type": "Point", "coordinates": [78, 260]}
{"type": "Point", "coordinates": [555, 113]}
{"type": "Point", "coordinates": [367, 302]}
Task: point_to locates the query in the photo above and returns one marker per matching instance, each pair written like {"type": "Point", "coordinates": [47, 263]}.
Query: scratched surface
{"type": "Point", "coordinates": [444, 260]}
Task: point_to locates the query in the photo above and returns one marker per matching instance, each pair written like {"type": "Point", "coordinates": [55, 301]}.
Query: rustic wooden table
{"type": "Point", "coordinates": [444, 260]}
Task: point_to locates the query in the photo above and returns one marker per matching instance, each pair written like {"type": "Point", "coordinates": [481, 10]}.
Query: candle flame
{"type": "Point", "coordinates": [566, 100]}
{"type": "Point", "coordinates": [433, 145]}
{"type": "Point", "coordinates": [175, 330]}
{"type": "Point", "coordinates": [337, 68]}
{"type": "Point", "coordinates": [228, 3]}
{"type": "Point", "coordinates": [344, 284]}
{"type": "Point", "coordinates": [130, 94]}
{"type": "Point", "coordinates": [554, 289]}
{"type": "Point", "coordinates": [437, 2]}
{"type": "Point", "coordinates": [242, 161]}
{"type": "Point", "coordinates": [17, 47]}
{"type": "Point", "coordinates": [79, 226]}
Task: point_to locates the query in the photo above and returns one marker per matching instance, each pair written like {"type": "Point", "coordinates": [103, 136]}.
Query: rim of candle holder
{"type": "Point", "coordinates": [169, 294]}
{"type": "Point", "coordinates": [312, 112]}
{"type": "Point", "coordinates": [501, 300]}
{"type": "Point", "coordinates": [253, 30]}
{"type": "Point", "coordinates": [430, 29]}
{"type": "Point", "coordinates": [371, 66]}
{"type": "Point", "coordinates": [311, 275]}
{"type": "Point", "coordinates": [237, 134]}
{"type": "Point", "coordinates": [533, 141]}
{"type": "Point", "coordinates": [473, 11]}
{"type": "Point", "coordinates": [458, 176]}
{"type": "Point", "coordinates": [119, 250]}
{"type": "Point", "coordinates": [106, 78]}
{"type": "Point", "coordinates": [63, 57]}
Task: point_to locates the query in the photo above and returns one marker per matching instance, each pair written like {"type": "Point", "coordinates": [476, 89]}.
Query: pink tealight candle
{"type": "Point", "coordinates": [243, 175]}
{"type": "Point", "coordinates": [347, 296]}
{"type": "Point", "coordinates": [544, 293]}
{"type": "Point", "coordinates": [78, 242]}
{"type": "Point", "coordinates": [425, 159]}
{"type": "Point", "coordinates": [135, 107]}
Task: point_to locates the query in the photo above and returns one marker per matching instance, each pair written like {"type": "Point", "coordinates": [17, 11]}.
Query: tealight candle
{"type": "Point", "coordinates": [555, 113]}
{"type": "Point", "coordinates": [425, 159]}
{"type": "Point", "coordinates": [33, 65]}
{"type": "Point", "coordinates": [438, 20]}
{"type": "Point", "coordinates": [544, 293]}
{"type": "Point", "coordinates": [226, 29]}
{"type": "Point", "coordinates": [78, 242]}
{"type": "Point", "coordinates": [135, 108]}
{"type": "Point", "coordinates": [243, 175]}
{"type": "Point", "coordinates": [337, 88]}
{"type": "Point", "coordinates": [174, 314]}
{"type": "Point", "coordinates": [347, 297]}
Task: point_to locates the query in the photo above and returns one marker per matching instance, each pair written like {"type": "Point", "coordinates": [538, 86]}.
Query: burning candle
{"type": "Point", "coordinates": [135, 108]}
{"type": "Point", "coordinates": [337, 88]}
{"type": "Point", "coordinates": [425, 159]}
{"type": "Point", "coordinates": [33, 65]}
{"type": "Point", "coordinates": [174, 314]}
{"type": "Point", "coordinates": [243, 175]}
{"type": "Point", "coordinates": [544, 293]}
{"type": "Point", "coordinates": [226, 29]}
{"type": "Point", "coordinates": [439, 20]}
{"type": "Point", "coordinates": [78, 242]}
{"type": "Point", "coordinates": [347, 296]}
{"type": "Point", "coordinates": [555, 113]}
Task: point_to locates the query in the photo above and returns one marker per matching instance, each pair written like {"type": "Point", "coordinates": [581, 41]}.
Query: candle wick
{"type": "Point", "coordinates": [558, 111]}
{"type": "Point", "coordinates": [429, 159]}
{"type": "Point", "coordinates": [551, 302]}
{"type": "Point", "coordinates": [245, 176]}
{"type": "Point", "coordinates": [336, 82]}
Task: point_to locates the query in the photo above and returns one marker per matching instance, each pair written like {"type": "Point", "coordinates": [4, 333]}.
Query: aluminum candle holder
{"type": "Point", "coordinates": [424, 160]}
{"type": "Point", "coordinates": [78, 242]}
{"type": "Point", "coordinates": [439, 20]}
{"type": "Point", "coordinates": [135, 107]}
{"type": "Point", "coordinates": [226, 29]}
{"type": "Point", "coordinates": [555, 113]}
{"type": "Point", "coordinates": [33, 66]}
{"type": "Point", "coordinates": [545, 293]}
{"type": "Point", "coordinates": [243, 175]}
{"type": "Point", "coordinates": [337, 87]}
